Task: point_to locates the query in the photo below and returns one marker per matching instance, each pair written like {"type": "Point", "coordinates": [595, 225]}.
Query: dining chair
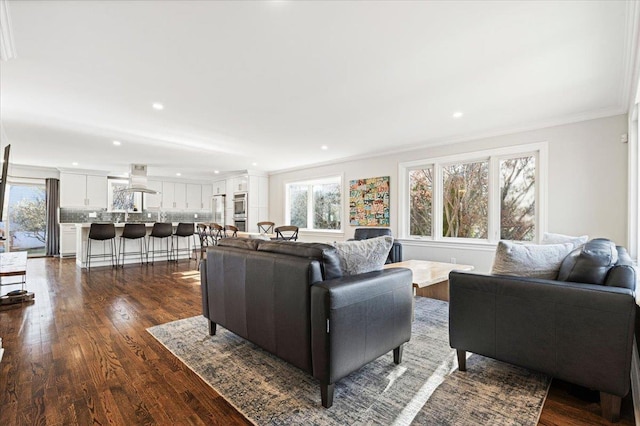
{"type": "Point", "coordinates": [232, 229]}
{"type": "Point", "coordinates": [287, 232]}
{"type": "Point", "coordinates": [216, 232]}
{"type": "Point", "coordinates": [266, 227]}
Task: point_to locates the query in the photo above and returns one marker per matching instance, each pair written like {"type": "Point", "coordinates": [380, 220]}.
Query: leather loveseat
{"type": "Point", "coordinates": [291, 299]}
{"type": "Point", "coordinates": [578, 328]}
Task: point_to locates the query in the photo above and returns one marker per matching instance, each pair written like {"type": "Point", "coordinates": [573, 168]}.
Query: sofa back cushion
{"type": "Point", "coordinates": [324, 253]}
{"type": "Point", "coordinates": [241, 243]}
{"type": "Point", "coordinates": [550, 238]}
{"type": "Point", "coordinates": [529, 260]}
{"type": "Point", "coordinates": [590, 263]}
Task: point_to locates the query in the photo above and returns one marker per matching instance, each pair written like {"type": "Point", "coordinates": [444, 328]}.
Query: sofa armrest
{"type": "Point", "coordinates": [581, 333]}
{"type": "Point", "coordinates": [356, 319]}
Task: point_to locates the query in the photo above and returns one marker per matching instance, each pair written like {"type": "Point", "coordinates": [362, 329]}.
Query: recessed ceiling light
{"type": "Point", "coordinates": [117, 143]}
{"type": "Point", "coordinates": [216, 171]}
{"type": "Point", "coordinates": [324, 147]}
{"type": "Point", "coordinates": [254, 164]}
{"type": "Point", "coordinates": [75, 163]}
{"type": "Point", "coordinates": [178, 174]}
{"type": "Point", "coordinates": [158, 106]}
{"type": "Point", "coordinates": [457, 114]}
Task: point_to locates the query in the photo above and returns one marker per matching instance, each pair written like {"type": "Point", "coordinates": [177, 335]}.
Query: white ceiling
{"type": "Point", "coordinates": [270, 82]}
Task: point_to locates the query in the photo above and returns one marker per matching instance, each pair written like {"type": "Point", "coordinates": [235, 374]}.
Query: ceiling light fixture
{"type": "Point", "coordinates": [216, 171]}
{"type": "Point", "coordinates": [178, 174]}
{"type": "Point", "coordinates": [117, 143]}
{"type": "Point", "coordinates": [157, 106]}
{"type": "Point", "coordinates": [254, 164]}
{"type": "Point", "coordinates": [75, 163]}
{"type": "Point", "coordinates": [457, 114]}
{"type": "Point", "coordinates": [324, 147]}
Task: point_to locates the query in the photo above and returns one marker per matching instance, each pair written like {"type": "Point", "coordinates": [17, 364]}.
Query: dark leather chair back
{"type": "Point", "coordinates": [161, 230]}
{"type": "Point", "coordinates": [102, 231]}
{"type": "Point", "coordinates": [134, 231]}
{"type": "Point", "coordinates": [184, 229]}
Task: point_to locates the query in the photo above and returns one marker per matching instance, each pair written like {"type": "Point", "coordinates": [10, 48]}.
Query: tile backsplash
{"type": "Point", "coordinates": [83, 216]}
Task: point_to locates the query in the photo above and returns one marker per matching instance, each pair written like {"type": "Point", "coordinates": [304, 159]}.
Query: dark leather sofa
{"type": "Point", "coordinates": [579, 329]}
{"type": "Point", "coordinates": [291, 299]}
{"type": "Point", "coordinates": [395, 255]}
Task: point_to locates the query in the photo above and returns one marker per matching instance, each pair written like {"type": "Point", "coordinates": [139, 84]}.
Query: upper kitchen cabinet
{"type": "Point", "coordinates": [194, 196]}
{"type": "Point", "coordinates": [207, 193]}
{"type": "Point", "coordinates": [220, 187]}
{"type": "Point", "coordinates": [153, 201]}
{"type": "Point", "coordinates": [174, 195]}
{"type": "Point", "coordinates": [240, 184]}
{"type": "Point", "coordinates": [81, 190]}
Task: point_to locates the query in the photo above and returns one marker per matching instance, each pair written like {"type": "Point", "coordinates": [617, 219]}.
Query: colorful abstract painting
{"type": "Point", "coordinates": [369, 202]}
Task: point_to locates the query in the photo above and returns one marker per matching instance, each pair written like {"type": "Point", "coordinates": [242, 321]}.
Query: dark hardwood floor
{"type": "Point", "coordinates": [80, 353]}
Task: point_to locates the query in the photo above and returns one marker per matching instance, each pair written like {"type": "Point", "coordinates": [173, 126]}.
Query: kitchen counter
{"type": "Point", "coordinates": [82, 234]}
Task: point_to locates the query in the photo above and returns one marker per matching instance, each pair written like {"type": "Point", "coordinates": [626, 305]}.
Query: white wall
{"type": "Point", "coordinates": [587, 177]}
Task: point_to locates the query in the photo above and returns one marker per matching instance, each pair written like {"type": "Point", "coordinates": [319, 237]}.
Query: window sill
{"type": "Point", "coordinates": [459, 245]}
{"type": "Point", "coordinates": [336, 232]}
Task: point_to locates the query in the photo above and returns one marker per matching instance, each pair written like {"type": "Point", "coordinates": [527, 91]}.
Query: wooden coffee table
{"type": "Point", "coordinates": [430, 279]}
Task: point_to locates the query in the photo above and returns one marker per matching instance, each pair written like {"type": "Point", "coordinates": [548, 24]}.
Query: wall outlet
{"type": "Point", "coordinates": [453, 260]}
{"type": "Point", "coordinates": [93, 214]}
{"type": "Point", "coordinates": [195, 215]}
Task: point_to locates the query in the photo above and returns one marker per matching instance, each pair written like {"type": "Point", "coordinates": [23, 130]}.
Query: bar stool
{"type": "Point", "coordinates": [102, 232]}
{"type": "Point", "coordinates": [184, 229]}
{"type": "Point", "coordinates": [232, 229]}
{"type": "Point", "coordinates": [160, 230]}
{"type": "Point", "coordinates": [217, 232]}
{"type": "Point", "coordinates": [133, 231]}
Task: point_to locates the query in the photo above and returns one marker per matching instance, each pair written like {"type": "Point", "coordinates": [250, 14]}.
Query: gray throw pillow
{"type": "Point", "coordinates": [530, 260]}
{"type": "Point", "coordinates": [360, 256]}
{"type": "Point", "coordinates": [550, 238]}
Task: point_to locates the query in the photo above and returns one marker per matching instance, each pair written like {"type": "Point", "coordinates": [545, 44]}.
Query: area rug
{"type": "Point", "coordinates": [426, 388]}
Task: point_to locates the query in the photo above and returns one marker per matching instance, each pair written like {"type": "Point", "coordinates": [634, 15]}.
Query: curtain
{"type": "Point", "coordinates": [53, 224]}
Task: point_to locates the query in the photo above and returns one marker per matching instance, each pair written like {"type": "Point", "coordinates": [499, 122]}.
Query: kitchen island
{"type": "Point", "coordinates": [98, 247]}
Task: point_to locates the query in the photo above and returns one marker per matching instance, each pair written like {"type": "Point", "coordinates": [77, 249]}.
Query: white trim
{"type": "Point", "coordinates": [7, 47]}
{"type": "Point", "coordinates": [633, 185]}
{"type": "Point", "coordinates": [476, 246]}
{"type": "Point", "coordinates": [630, 57]}
{"type": "Point", "coordinates": [539, 149]}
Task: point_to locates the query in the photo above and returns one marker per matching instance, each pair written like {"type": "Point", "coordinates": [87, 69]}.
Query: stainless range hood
{"type": "Point", "coordinates": [138, 180]}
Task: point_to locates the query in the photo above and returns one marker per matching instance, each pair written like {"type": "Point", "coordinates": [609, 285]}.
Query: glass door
{"type": "Point", "coordinates": [26, 227]}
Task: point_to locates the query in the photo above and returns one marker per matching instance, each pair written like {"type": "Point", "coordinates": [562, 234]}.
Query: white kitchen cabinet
{"type": "Point", "coordinates": [80, 190]}
{"type": "Point", "coordinates": [207, 193]}
{"type": "Point", "coordinates": [220, 187]}
{"type": "Point", "coordinates": [153, 201]}
{"type": "Point", "coordinates": [194, 196]}
{"type": "Point", "coordinates": [67, 239]}
{"type": "Point", "coordinates": [174, 195]}
{"type": "Point", "coordinates": [239, 184]}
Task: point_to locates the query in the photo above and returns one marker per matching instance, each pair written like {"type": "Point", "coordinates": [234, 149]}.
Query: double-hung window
{"type": "Point", "coordinates": [482, 196]}
{"type": "Point", "coordinates": [315, 204]}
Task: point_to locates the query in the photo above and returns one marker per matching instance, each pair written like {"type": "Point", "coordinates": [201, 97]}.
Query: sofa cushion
{"type": "Point", "coordinates": [324, 253]}
{"type": "Point", "coordinates": [361, 256]}
{"type": "Point", "coordinates": [529, 260]}
{"type": "Point", "coordinates": [550, 238]}
{"type": "Point", "coordinates": [590, 263]}
{"type": "Point", "coordinates": [241, 243]}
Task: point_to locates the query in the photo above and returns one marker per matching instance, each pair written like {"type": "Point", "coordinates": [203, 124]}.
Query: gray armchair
{"type": "Point", "coordinates": [395, 255]}
{"type": "Point", "coordinates": [577, 332]}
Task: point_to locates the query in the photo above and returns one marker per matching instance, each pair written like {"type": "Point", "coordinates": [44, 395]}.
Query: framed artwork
{"type": "Point", "coordinates": [369, 202]}
{"type": "Point", "coordinates": [120, 201]}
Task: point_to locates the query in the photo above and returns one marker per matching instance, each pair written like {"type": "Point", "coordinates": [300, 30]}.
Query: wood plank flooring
{"type": "Point", "coordinates": [80, 354]}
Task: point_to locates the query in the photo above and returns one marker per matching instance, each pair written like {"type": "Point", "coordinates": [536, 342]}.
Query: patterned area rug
{"type": "Point", "coordinates": [426, 388]}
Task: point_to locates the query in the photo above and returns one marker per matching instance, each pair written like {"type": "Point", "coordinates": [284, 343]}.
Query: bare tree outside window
{"type": "Point", "coordinates": [517, 198]}
{"type": "Point", "coordinates": [465, 199]}
{"type": "Point", "coordinates": [421, 201]}
{"type": "Point", "coordinates": [326, 206]}
{"type": "Point", "coordinates": [298, 195]}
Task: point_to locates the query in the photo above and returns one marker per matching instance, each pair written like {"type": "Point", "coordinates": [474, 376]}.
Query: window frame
{"type": "Point", "coordinates": [493, 156]}
{"type": "Point", "coordinates": [333, 178]}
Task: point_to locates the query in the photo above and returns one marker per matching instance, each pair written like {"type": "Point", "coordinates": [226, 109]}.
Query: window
{"type": "Point", "coordinates": [27, 225]}
{"type": "Point", "coordinates": [484, 196]}
{"type": "Point", "coordinates": [315, 204]}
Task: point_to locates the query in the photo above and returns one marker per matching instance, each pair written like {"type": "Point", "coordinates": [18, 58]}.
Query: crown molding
{"type": "Point", "coordinates": [7, 48]}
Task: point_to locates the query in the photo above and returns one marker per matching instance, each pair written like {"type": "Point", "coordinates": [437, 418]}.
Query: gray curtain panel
{"type": "Point", "coordinates": [53, 224]}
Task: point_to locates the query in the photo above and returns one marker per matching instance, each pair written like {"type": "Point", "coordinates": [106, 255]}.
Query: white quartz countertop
{"type": "Point", "coordinates": [119, 225]}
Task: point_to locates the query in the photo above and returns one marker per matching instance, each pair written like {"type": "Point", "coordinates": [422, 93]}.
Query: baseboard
{"type": "Point", "coordinates": [635, 382]}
